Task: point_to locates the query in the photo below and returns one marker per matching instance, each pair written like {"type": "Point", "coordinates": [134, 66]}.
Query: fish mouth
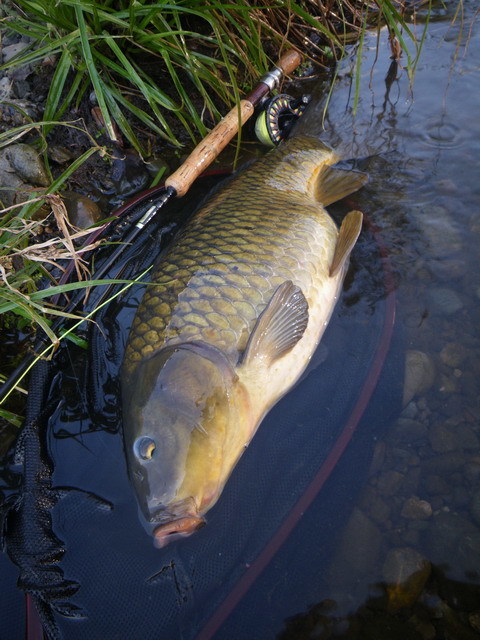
{"type": "Point", "coordinates": [175, 521]}
{"type": "Point", "coordinates": [179, 528]}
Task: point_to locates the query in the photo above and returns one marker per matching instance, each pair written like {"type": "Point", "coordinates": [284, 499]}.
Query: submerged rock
{"type": "Point", "coordinates": [406, 572]}
{"type": "Point", "coordinates": [453, 542]}
{"type": "Point", "coordinates": [453, 354]}
{"type": "Point", "coordinates": [445, 301]}
{"type": "Point", "coordinates": [419, 374]}
{"type": "Point", "coordinates": [442, 439]}
{"type": "Point", "coordinates": [359, 549]}
{"type": "Point", "coordinates": [416, 509]}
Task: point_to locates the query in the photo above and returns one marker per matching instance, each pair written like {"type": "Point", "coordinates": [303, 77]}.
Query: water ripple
{"type": "Point", "coordinates": [441, 133]}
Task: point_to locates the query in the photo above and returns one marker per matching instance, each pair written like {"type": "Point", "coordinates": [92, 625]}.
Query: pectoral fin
{"type": "Point", "coordinates": [347, 236]}
{"type": "Point", "coordinates": [280, 326]}
{"type": "Point", "coordinates": [334, 184]}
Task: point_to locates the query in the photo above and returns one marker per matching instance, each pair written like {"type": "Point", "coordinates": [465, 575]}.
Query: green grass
{"type": "Point", "coordinates": [145, 60]}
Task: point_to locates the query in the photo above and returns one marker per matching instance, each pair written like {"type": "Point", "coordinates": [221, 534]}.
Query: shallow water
{"type": "Point", "coordinates": [419, 511]}
{"type": "Point", "coordinates": [417, 516]}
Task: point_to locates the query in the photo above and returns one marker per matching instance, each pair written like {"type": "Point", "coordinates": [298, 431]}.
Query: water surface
{"type": "Point", "coordinates": [419, 511]}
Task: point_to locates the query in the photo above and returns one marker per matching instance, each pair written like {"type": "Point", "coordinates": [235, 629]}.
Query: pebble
{"type": "Point", "coordinates": [15, 113]}
{"type": "Point", "coordinates": [5, 88]}
{"type": "Point", "coordinates": [416, 509]}
{"type": "Point", "coordinates": [436, 485]}
{"type": "Point", "coordinates": [20, 168]}
{"type": "Point", "coordinates": [444, 301]}
{"type": "Point", "coordinates": [12, 50]}
{"type": "Point", "coordinates": [408, 431]}
{"type": "Point", "coordinates": [60, 154]}
{"type": "Point", "coordinates": [389, 482]}
{"type": "Point", "coordinates": [442, 232]}
{"type": "Point", "coordinates": [454, 543]}
{"type": "Point", "coordinates": [406, 572]}
{"type": "Point", "coordinates": [82, 211]}
{"type": "Point", "coordinates": [442, 439]}
{"type": "Point", "coordinates": [453, 354]}
{"type": "Point", "coordinates": [378, 509]}
{"type": "Point", "coordinates": [359, 549]}
{"type": "Point", "coordinates": [27, 164]}
{"type": "Point", "coordinates": [443, 463]}
{"type": "Point", "coordinates": [419, 374]}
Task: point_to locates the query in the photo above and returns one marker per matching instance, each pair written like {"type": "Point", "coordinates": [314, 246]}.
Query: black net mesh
{"type": "Point", "coordinates": [74, 531]}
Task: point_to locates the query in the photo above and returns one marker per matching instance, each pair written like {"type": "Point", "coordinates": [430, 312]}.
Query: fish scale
{"type": "Point", "coordinates": [238, 304]}
{"type": "Point", "coordinates": [229, 258]}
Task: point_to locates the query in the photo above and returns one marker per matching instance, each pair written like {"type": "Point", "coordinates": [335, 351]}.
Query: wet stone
{"type": "Point", "coordinates": [390, 482]}
{"type": "Point", "coordinates": [442, 439]}
{"type": "Point", "coordinates": [406, 572]}
{"type": "Point", "coordinates": [27, 164]}
{"type": "Point", "coordinates": [416, 509]}
{"type": "Point", "coordinates": [359, 549]}
{"type": "Point", "coordinates": [444, 301]}
{"type": "Point", "coordinates": [454, 404]}
{"type": "Point", "coordinates": [12, 50]}
{"type": "Point", "coordinates": [443, 463]}
{"type": "Point", "coordinates": [411, 482]}
{"type": "Point", "coordinates": [454, 543]}
{"type": "Point", "coordinates": [60, 154]}
{"type": "Point", "coordinates": [82, 211]}
{"type": "Point", "coordinates": [378, 458]}
{"type": "Point", "coordinates": [406, 430]}
{"type": "Point", "coordinates": [376, 507]}
{"type": "Point", "coordinates": [448, 268]}
{"type": "Point", "coordinates": [419, 374]}
{"type": "Point", "coordinates": [435, 485]}
{"type": "Point", "coordinates": [453, 354]}
{"type": "Point", "coordinates": [5, 88]}
{"type": "Point", "coordinates": [467, 437]}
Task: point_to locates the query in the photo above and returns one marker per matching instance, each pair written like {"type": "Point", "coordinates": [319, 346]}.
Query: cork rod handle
{"type": "Point", "coordinates": [210, 147]}
{"type": "Point", "coordinates": [289, 62]}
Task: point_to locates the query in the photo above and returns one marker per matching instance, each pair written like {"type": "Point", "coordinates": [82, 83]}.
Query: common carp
{"type": "Point", "coordinates": [239, 303]}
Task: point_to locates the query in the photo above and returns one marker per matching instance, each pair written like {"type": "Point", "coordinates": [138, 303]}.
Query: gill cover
{"type": "Point", "coordinates": [176, 413]}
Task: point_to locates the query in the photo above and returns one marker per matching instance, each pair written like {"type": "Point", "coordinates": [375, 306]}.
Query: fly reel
{"type": "Point", "coordinates": [277, 118]}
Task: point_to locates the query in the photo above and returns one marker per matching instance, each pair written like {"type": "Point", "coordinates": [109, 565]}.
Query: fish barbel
{"type": "Point", "coordinates": [239, 303]}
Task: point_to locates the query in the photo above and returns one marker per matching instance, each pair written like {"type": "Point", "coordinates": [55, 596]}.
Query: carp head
{"type": "Point", "coordinates": [180, 416]}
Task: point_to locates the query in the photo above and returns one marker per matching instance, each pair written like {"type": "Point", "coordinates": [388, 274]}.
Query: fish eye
{"type": "Point", "coordinates": [144, 448]}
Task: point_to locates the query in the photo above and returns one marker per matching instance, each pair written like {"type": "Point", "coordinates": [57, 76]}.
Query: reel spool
{"type": "Point", "coordinates": [277, 118]}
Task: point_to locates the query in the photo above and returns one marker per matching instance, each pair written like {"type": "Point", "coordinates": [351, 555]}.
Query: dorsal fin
{"type": "Point", "coordinates": [334, 184]}
{"type": "Point", "coordinates": [280, 325]}
{"type": "Point", "coordinates": [347, 236]}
